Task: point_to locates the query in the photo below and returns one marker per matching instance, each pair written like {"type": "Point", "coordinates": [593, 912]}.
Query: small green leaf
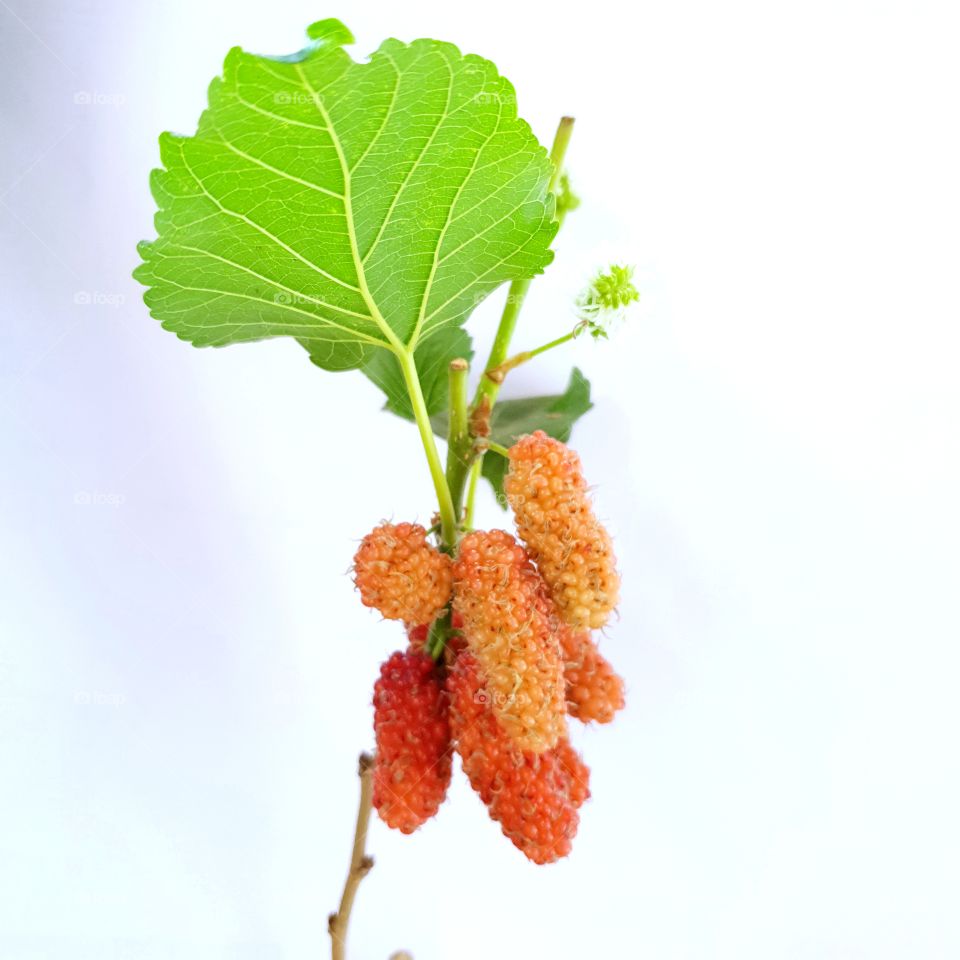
{"type": "Point", "coordinates": [360, 208]}
{"type": "Point", "coordinates": [495, 470]}
{"type": "Point", "coordinates": [555, 414]}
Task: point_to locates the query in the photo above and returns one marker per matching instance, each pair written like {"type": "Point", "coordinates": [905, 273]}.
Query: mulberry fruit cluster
{"type": "Point", "coordinates": [402, 575]}
{"type": "Point", "coordinates": [499, 654]}
{"type": "Point", "coordinates": [571, 548]}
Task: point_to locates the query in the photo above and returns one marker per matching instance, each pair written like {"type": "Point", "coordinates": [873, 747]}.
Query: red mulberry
{"type": "Point", "coordinates": [411, 721]}
{"type": "Point", "coordinates": [402, 575]}
{"type": "Point", "coordinates": [506, 625]}
{"type": "Point", "coordinates": [534, 797]}
{"type": "Point", "coordinates": [594, 690]}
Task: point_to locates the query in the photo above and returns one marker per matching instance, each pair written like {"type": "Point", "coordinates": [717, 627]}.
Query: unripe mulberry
{"type": "Point", "coordinates": [534, 797]}
{"type": "Point", "coordinates": [571, 548]}
{"type": "Point", "coordinates": [402, 575]}
{"type": "Point", "coordinates": [506, 625]}
{"type": "Point", "coordinates": [594, 690]}
{"type": "Point", "coordinates": [411, 770]}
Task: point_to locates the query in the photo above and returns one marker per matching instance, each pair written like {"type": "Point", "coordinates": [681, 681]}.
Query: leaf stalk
{"type": "Point", "coordinates": [448, 515]}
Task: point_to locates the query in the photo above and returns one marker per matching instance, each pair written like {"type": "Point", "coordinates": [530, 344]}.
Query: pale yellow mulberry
{"type": "Point", "coordinates": [571, 548]}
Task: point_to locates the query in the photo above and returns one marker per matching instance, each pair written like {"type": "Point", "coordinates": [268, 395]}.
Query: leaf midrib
{"type": "Point", "coordinates": [392, 339]}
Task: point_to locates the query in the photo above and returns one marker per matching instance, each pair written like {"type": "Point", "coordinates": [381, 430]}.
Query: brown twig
{"type": "Point", "coordinates": [360, 863]}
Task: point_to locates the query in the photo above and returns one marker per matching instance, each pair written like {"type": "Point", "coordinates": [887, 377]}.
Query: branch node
{"type": "Point", "coordinates": [480, 418]}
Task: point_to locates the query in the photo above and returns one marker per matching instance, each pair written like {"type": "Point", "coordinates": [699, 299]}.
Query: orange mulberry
{"type": "Point", "coordinates": [594, 690]}
{"type": "Point", "coordinates": [401, 574]}
{"type": "Point", "coordinates": [506, 625]}
{"type": "Point", "coordinates": [534, 797]}
{"type": "Point", "coordinates": [411, 770]}
{"type": "Point", "coordinates": [571, 548]}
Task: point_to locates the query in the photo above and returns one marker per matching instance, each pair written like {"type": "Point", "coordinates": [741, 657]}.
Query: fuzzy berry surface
{"type": "Point", "coordinates": [411, 770]}
{"type": "Point", "coordinates": [506, 624]}
{"type": "Point", "coordinates": [534, 797]}
{"type": "Point", "coordinates": [401, 574]}
{"type": "Point", "coordinates": [573, 551]}
{"type": "Point", "coordinates": [594, 689]}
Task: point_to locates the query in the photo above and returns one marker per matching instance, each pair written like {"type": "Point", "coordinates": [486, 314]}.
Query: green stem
{"type": "Point", "coordinates": [496, 448]}
{"type": "Point", "coordinates": [561, 140]}
{"type": "Point", "coordinates": [518, 289]}
{"type": "Point", "coordinates": [460, 451]}
{"type": "Point", "coordinates": [438, 634]}
{"type": "Point", "coordinates": [475, 471]}
{"type": "Point", "coordinates": [460, 454]}
{"type": "Point", "coordinates": [488, 388]}
{"type": "Point", "coordinates": [448, 516]}
{"type": "Point", "coordinates": [458, 400]}
{"type": "Point", "coordinates": [500, 373]}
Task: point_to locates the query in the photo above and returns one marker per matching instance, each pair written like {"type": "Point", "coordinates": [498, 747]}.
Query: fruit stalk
{"type": "Point", "coordinates": [460, 451]}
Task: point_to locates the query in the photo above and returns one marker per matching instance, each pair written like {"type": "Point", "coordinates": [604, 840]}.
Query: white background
{"type": "Point", "coordinates": [185, 670]}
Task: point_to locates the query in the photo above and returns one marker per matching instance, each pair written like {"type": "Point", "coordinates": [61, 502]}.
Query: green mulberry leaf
{"type": "Point", "coordinates": [352, 206]}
